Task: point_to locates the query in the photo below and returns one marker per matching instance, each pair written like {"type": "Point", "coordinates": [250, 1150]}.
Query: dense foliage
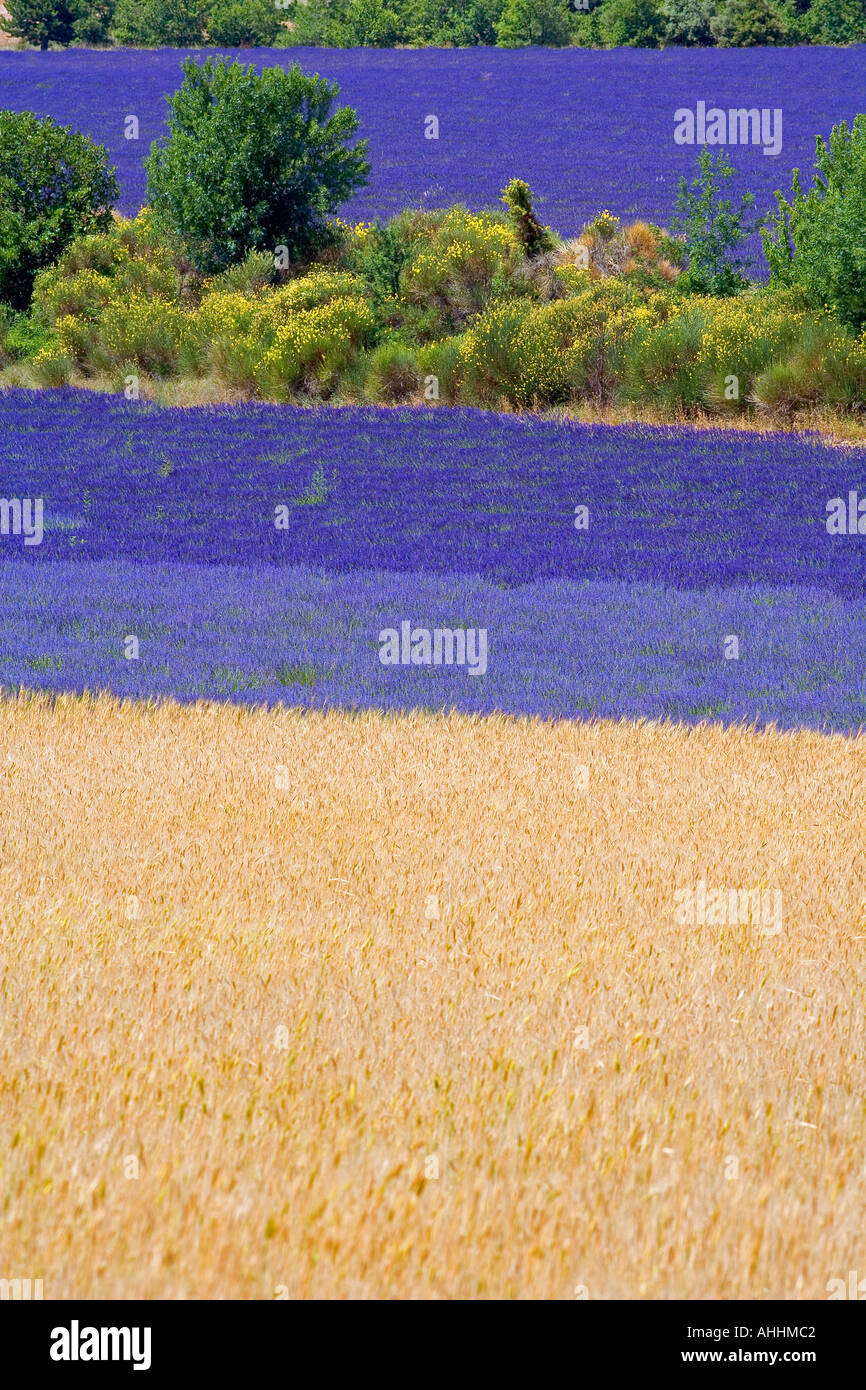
{"type": "Point", "coordinates": [44, 22]}
{"type": "Point", "coordinates": [818, 240]}
{"type": "Point", "coordinates": [54, 185]}
{"type": "Point", "coordinates": [444, 306]}
{"type": "Point", "coordinates": [714, 230]}
{"type": "Point", "coordinates": [438, 23]}
{"type": "Point", "coordinates": [252, 162]}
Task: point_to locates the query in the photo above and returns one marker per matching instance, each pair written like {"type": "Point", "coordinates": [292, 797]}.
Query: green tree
{"type": "Point", "coordinates": [749, 24]}
{"type": "Point", "coordinates": [371, 24]}
{"type": "Point", "coordinates": [252, 163]}
{"type": "Point", "coordinates": [632, 24]}
{"type": "Point", "coordinates": [309, 22]}
{"type": "Point", "coordinates": [712, 228]}
{"type": "Point", "coordinates": [55, 184]}
{"type": "Point", "coordinates": [159, 23]}
{"type": "Point", "coordinates": [838, 21]}
{"type": "Point", "coordinates": [535, 238]}
{"type": "Point", "coordinates": [530, 23]}
{"type": "Point", "coordinates": [687, 22]}
{"type": "Point", "coordinates": [586, 26]}
{"type": "Point", "coordinates": [457, 23]}
{"type": "Point", "coordinates": [41, 22]}
{"type": "Point", "coordinates": [381, 261]}
{"type": "Point", "coordinates": [346, 24]}
{"type": "Point", "coordinates": [818, 239]}
{"type": "Point", "coordinates": [93, 22]}
{"type": "Point", "coordinates": [238, 23]}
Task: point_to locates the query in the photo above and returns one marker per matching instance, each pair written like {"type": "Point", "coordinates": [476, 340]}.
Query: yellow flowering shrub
{"type": "Point", "coordinates": [77, 338]}
{"type": "Point", "coordinates": [542, 354]}
{"type": "Point", "coordinates": [453, 266]}
{"type": "Point", "coordinates": [727, 353]}
{"type": "Point", "coordinates": [227, 313]}
{"type": "Point", "coordinates": [274, 305]}
{"type": "Point", "coordinates": [318, 287]}
{"type": "Point", "coordinates": [83, 294]}
{"type": "Point", "coordinates": [320, 340]}
{"type": "Point", "coordinates": [103, 266]}
{"type": "Point", "coordinates": [266, 343]}
{"type": "Point", "coordinates": [150, 332]}
{"type": "Point", "coordinates": [356, 232]}
{"type": "Point", "coordinates": [52, 366]}
{"type": "Point", "coordinates": [741, 333]}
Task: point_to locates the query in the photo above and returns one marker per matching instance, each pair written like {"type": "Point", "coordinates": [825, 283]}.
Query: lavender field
{"type": "Point", "coordinates": [428, 490]}
{"type": "Point", "coordinates": [257, 553]}
{"type": "Point", "coordinates": [588, 129]}
{"type": "Point", "coordinates": [555, 648]}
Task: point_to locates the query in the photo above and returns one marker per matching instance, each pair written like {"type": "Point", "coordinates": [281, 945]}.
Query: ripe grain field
{"type": "Point", "coordinates": [295, 962]}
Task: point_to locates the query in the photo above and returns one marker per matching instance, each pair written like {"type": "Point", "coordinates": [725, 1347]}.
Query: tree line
{"type": "Point", "coordinates": [436, 23]}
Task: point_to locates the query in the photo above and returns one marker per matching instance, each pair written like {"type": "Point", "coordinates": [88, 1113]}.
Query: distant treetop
{"type": "Point", "coordinates": [436, 23]}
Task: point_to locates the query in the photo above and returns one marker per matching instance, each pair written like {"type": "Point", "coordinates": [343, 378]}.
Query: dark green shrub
{"type": "Point", "coordinates": [249, 276]}
{"type": "Point", "coordinates": [159, 23]}
{"type": "Point", "coordinates": [345, 24]}
{"type": "Point", "coordinates": [661, 363]}
{"type": "Point", "coordinates": [371, 24]}
{"type": "Point", "coordinates": [93, 23]}
{"type": "Point", "coordinates": [41, 22]}
{"type": "Point", "coordinates": [533, 237]}
{"type": "Point", "coordinates": [393, 373]}
{"type": "Point", "coordinates": [818, 240]}
{"type": "Point", "coordinates": [748, 24]}
{"type": "Point", "coordinates": [443, 24]}
{"type": "Point", "coordinates": [533, 22]}
{"type": "Point", "coordinates": [240, 23]}
{"type": "Point", "coordinates": [632, 24]}
{"type": "Point", "coordinates": [54, 185]}
{"type": "Point", "coordinates": [837, 21]}
{"type": "Point", "coordinates": [309, 24]}
{"type": "Point", "coordinates": [687, 22]}
{"type": "Point", "coordinates": [825, 366]}
{"type": "Point", "coordinates": [252, 163]}
{"type": "Point", "coordinates": [20, 336]}
{"type": "Point", "coordinates": [380, 260]}
{"type": "Point", "coordinates": [440, 365]}
{"type": "Point", "coordinates": [713, 229]}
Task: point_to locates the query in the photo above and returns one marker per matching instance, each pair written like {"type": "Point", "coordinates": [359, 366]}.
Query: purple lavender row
{"type": "Point", "coordinates": [370, 639]}
{"type": "Point", "coordinates": [511, 498]}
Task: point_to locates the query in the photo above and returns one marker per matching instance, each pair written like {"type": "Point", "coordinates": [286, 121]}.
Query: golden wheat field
{"type": "Point", "coordinates": [319, 1005]}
